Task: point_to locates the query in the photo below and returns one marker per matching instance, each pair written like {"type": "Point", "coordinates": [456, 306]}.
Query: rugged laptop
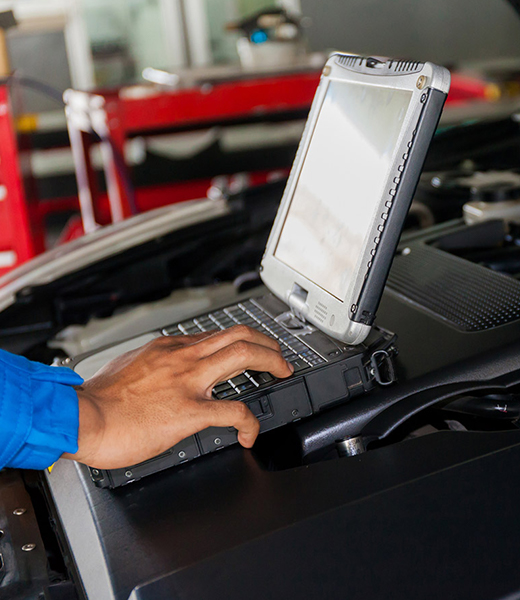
{"type": "Point", "coordinates": [329, 252]}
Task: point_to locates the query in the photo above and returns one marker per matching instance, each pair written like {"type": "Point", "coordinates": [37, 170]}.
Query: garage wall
{"type": "Point", "coordinates": [437, 30]}
{"type": "Point", "coordinates": [41, 55]}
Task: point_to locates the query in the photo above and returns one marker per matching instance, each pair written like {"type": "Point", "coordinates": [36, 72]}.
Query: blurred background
{"type": "Point", "coordinates": [93, 43]}
{"type": "Point", "coordinates": [171, 100]}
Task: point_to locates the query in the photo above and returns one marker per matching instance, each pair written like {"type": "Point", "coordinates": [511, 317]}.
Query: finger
{"type": "Point", "coordinates": [221, 339]}
{"type": "Point", "coordinates": [226, 413]}
{"type": "Point", "coordinates": [186, 340]}
{"type": "Point", "coordinates": [176, 342]}
{"type": "Point", "coordinates": [237, 358]}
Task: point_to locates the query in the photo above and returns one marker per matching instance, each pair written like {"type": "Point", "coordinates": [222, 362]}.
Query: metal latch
{"type": "Point", "coordinates": [382, 367]}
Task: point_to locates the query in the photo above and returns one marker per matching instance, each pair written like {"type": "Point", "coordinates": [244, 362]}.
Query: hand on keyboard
{"type": "Point", "coordinates": [149, 399]}
{"type": "Point", "coordinates": [249, 313]}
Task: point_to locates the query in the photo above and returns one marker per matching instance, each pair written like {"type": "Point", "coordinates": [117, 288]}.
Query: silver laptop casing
{"type": "Point", "coordinates": [342, 318]}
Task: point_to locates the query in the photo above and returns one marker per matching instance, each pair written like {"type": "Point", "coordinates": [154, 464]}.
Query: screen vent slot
{"type": "Point", "coordinates": [349, 61]}
{"type": "Point", "coordinates": [320, 312]}
{"type": "Point", "coordinates": [405, 66]}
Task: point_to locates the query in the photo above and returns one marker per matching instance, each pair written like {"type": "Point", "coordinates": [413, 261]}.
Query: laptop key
{"type": "Point", "coordinates": [207, 325]}
{"type": "Point", "coordinates": [244, 387]}
{"type": "Point", "coordinates": [227, 323]}
{"type": "Point", "coordinates": [239, 379]}
{"type": "Point", "coordinates": [190, 329]}
{"type": "Point", "coordinates": [278, 330]}
{"type": "Point", "coordinates": [316, 361]}
{"type": "Point", "coordinates": [260, 377]}
{"type": "Point", "coordinates": [299, 347]}
{"type": "Point", "coordinates": [171, 330]}
{"type": "Point", "coordinates": [287, 337]}
{"type": "Point", "coordinates": [220, 387]}
{"type": "Point", "coordinates": [225, 394]}
{"type": "Point", "coordinates": [299, 365]}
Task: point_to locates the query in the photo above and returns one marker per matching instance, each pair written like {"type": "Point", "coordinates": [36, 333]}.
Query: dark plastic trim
{"type": "Point", "coordinates": [387, 421]}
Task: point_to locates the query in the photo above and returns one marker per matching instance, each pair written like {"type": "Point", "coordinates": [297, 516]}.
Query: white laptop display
{"type": "Point", "coordinates": [357, 166]}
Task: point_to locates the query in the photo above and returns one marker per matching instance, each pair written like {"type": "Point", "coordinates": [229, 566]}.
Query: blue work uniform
{"type": "Point", "coordinates": [39, 414]}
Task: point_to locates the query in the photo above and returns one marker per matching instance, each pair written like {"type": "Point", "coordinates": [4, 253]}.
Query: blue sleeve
{"type": "Point", "coordinates": [39, 415]}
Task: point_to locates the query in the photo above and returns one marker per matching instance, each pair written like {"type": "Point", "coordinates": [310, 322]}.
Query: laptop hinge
{"type": "Point", "coordinates": [298, 315]}
{"type": "Point", "coordinates": [298, 302]}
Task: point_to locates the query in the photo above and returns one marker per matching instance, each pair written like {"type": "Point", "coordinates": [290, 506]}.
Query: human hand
{"type": "Point", "coordinates": [149, 399]}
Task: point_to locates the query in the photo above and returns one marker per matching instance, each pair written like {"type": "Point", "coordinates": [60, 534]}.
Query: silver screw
{"type": "Point", "coordinates": [28, 547]}
{"type": "Point", "coordinates": [295, 413]}
{"type": "Point", "coordinates": [128, 474]}
{"type": "Point", "coordinates": [218, 441]}
{"type": "Point", "coordinates": [95, 472]}
{"type": "Point", "coordinates": [182, 454]}
{"type": "Point", "coordinates": [421, 82]}
{"type": "Point", "coordinates": [19, 511]}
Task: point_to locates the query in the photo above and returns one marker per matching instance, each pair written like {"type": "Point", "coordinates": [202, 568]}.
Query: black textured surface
{"type": "Point", "coordinates": [450, 533]}
{"type": "Point", "coordinates": [468, 296]}
{"type": "Point", "coordinates": [445, 493]}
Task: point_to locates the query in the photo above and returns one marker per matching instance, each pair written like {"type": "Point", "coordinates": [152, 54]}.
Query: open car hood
{"type": "Point", "coordinates": [105, 242]}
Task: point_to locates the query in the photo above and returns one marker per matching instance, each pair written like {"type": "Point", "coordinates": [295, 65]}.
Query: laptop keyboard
{"type": "Point", "coordinates": [248, 313]}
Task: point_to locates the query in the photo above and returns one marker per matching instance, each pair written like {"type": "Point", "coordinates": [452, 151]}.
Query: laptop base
{"type": "Point", "coordinates": [330, 373]}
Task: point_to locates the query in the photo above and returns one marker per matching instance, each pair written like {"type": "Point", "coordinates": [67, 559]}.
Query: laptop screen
{"type": "Point", "coordinates": [341, 183]}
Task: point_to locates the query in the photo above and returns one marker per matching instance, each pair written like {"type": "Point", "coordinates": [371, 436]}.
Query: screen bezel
{"type": "Point", "coordinates": [282, 279]}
